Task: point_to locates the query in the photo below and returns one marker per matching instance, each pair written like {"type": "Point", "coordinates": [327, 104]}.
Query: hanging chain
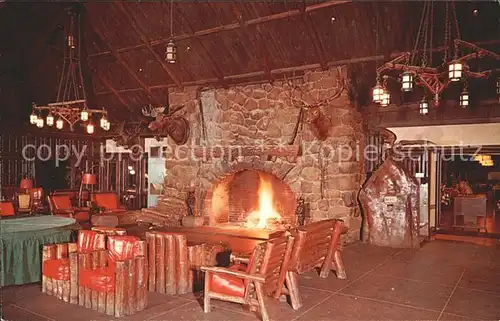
{"type": "Point", "coordinates": [426, 36]}
{"type": "Point", "coordinates": [446, 34]}
{"type": "Point", "coordinates": [419, 35]}
{"type": "Point", "coordinates": [454, 12]}
{"type": "Point", "coordinates": [171, 18]}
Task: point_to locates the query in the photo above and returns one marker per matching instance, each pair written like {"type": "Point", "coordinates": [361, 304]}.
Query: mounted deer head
{"type": "Point", "coordinates": [176, 127]}
{"type": "Point", "coordinates": [311, 106]}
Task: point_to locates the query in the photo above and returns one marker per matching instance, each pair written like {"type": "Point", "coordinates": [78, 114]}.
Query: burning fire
{"type": "Point", "coordinates": [266, 212]}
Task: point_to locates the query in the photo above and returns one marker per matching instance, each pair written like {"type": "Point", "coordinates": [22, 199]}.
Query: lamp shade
{"type": "Point", "coordinates": [26, 183]}
{"type": "Point", "coordinates": [89, 179]}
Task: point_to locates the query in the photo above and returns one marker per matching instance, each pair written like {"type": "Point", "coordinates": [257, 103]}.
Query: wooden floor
{"type": "Point", "coordinates": [443, 280]}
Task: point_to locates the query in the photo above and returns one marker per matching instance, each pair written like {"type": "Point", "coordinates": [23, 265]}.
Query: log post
{"type": "Point", "coordinates": [130, 290]}
{"type": "Point", "coordinates": [61, 253]}
{"type": "Point", "coordinates": [93, 293]}
{"type": "Point", "coordinates": [73, 278]}
{"type": "Point", "coordinates": [83, 263]}
{"type": "Point", "coordinates": [101, 304]}
{"type": "Point", "coordinates": [171, 264]}
{"type": "Point", "coordinates": [120, 284]}
{"type": "Point", "coordinates": [151, 240]}
{"type": "Point", "coordinates": [183, 264]}
{"type": "Point", "coordinates": [292, 284]}
{"type": "Point", "coordinates": [142, 287]}
{"type": "Point", "coordinates": [160, 263]}
{"type": "Point", "coordinates": [49, 253]}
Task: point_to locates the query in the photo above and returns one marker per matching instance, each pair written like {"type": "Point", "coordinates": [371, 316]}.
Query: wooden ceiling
{"type": "Point", "coordinates": [219, 44]}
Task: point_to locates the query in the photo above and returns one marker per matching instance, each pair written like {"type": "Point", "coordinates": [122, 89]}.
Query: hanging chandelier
{"type": "Point", "coordinates": [70, 107]}
{"type": "Point", "coordinates": [417, 68]}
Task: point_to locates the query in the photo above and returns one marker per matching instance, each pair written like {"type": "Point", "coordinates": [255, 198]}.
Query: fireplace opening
{"type": "Point", "coordinates": [251, 199]}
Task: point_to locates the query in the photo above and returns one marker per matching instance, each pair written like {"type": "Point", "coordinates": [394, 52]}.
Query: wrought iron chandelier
{"type": "Point", "coordinates": [71, 103]}
{"type": "Point", "coordinates": [434, 79]}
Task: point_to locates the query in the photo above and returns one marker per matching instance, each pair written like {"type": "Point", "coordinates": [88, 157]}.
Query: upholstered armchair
{"type": "Point", "coordinates": [61, 205]}
{"type": "Point", "coordinates": [7, 209]}
{"type": "Point", "coordinates": [248, 284]}
{"type": "Point", "coordinates": [60, 264]}
{"type": "Point", "coordinates": [108, 202]}
{"type": "Point", "coordinates": [114, 281]}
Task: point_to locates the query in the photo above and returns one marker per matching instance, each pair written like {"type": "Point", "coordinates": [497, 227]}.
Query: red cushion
{"type": "Point", "coordinates": [88, 241]}
{"type": "Point", "coordinates": [100, 279]}
{"type": "Point", "coordinates": [122, 247]}
{"type": "Point", "coordinates": [227, 284]}
{"type": "Point", "coordinates": [82, 216]}
{"type": "Point", "coordinates": [62, 202]}
{"type": "Point", "coordinates": [7, 209]}
{"type": "Point", "coordinates": [107, 200]}
{"type": "Point", "coordinates": [56, 269]}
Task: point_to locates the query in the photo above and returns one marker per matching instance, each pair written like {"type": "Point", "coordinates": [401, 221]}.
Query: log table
{"type": "Point", "coordinates": [174, 263]}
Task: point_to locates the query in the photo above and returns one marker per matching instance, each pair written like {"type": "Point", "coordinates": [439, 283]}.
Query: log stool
{"type": "Point", "coordinates": [60, 265]}
{"type": "Point", "coordinates": [174, 265]}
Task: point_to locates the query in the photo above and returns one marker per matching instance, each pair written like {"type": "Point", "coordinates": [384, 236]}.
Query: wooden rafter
{"type": "Point", "coordinates": [208, 53]}
{"type": "Point", "coordinates": [315, 39]}
{"type": "Point", "coordinates": [106, 83]}
{"type": "Point", "coordinates": [125, 66]}
{"type": "Point", "coordinates": [280, 71]}
{"type": "Point", "coordinates": [231, 26]}
{"type": "Point", "coordinates": [138, 27]}
{"type": "Point", "coordinates": [257, 44]}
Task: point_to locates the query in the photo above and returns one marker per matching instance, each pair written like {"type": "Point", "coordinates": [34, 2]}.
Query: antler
{"type": "Point", "coordinates": [305, 100]}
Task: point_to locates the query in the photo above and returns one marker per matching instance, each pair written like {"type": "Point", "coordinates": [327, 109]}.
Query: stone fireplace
{"type": "Point", "coordinates": [245, 139]}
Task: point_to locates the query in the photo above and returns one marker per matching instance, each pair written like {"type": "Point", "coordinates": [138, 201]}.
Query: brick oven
{"type": "Point", "coordinates": [245, 142]}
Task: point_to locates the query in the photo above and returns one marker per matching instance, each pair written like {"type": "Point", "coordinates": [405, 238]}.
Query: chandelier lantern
{"type": "Point", "coordinates": [71, 102]}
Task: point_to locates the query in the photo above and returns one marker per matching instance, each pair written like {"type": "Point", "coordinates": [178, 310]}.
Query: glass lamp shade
{"type": "Point", "coordinates": [498, 86]}
{"type": "Point", "coordinates": [171, 52]}
{"type": "Point", "coordinates": [455, 71]}
{"type": "Point", "coordinates": [107, 125]}
{"type": "Point", "coordinates": [406, 81]}
{"type": "Point", "coordinates": [89, 179]}
{"type": "Point", "coordinates": [132, 172]}
{"type": "Point", "coordinates": [103, 122]}
{"type": "Point", "coordinates": [59, 123]}
{"type": "Point", "coordinates": [39, 122]}
{"type": "Point", "coordinates": [377, 93]}
{"type": "Point", "coordinates": [487, 163]}
{"type": "Point", "coordinates": [464, 99]}
{"type": "Point", "coordinates": [26, 183]}
{"type": "Point", "coordinates": [84, 115]}
{"type": "Point", "coordinates": [424, 107]}
{"type": "Point", "coordinates": [386, 99]}
{"type": "Point", "coordinates": [33, 118]}
{"type": "Point", "coordinates": [90, 128]}
{"type": "Point", "coordinates": [130, 168]}
{"type": "Point", "coordinates": [50, 120]}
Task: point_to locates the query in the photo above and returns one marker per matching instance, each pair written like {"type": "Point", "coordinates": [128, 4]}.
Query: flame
{"type": "Point", "coordinates": [266, 209]}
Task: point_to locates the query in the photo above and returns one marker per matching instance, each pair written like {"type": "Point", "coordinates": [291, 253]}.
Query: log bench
{"type": "Point", "coordinates": [174, 263]}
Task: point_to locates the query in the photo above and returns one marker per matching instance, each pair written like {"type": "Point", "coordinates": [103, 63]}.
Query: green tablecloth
{"type": "Point", "coordinates": [22, 240]}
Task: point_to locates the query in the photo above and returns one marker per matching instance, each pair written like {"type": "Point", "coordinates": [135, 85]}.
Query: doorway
{"type": "Point", "coordinates": [469, 191]}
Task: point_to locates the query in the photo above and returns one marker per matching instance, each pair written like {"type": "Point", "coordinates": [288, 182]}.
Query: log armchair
{"type": "Point", "coordinates": [61, 205]}
{"type": "Point", "coordinates": [317, 245]}
{"type": "Point", "coordinates": [263, 275]}
{"type": "Point", "coordinates": [60, 264]}
{"type": "Point", "coordinates": [114, 281]}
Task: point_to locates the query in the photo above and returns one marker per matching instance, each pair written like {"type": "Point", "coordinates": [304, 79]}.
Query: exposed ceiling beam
{"type": "Point", "coordinates": [231, 26]}
{"type": "Point", "coordinates": [139, 29]}
{"type": "Point", "coordinates": [281, 71]}
{"type": "Point", "coordinates": [208, 53]}
{"type": "Point", "coordinates": [124, 64]}
{"type": "Point", "coordinates": [106, 83]}
{"type": "Point", "coordinates": [263, 53]}
{"type": "Point", "coordinates": [315, 39]}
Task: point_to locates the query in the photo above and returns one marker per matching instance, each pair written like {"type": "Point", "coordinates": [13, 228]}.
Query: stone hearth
{"type": "Point", "coordinates": [252, 128]}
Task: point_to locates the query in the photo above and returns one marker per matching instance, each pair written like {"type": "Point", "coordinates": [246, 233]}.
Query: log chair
{"type": "Point", "coordinates": [317, 245]}
{"type": "Point", "coordinates": [174, 265]}
{"type": "Point", "coordinates": [60, 265]}
{"type": "Point", "coordinates": [263, 275]}
{"type": "Point", "coordinates": [110, 231]}
{"type": "Point", "coordinates": [114, 281]}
